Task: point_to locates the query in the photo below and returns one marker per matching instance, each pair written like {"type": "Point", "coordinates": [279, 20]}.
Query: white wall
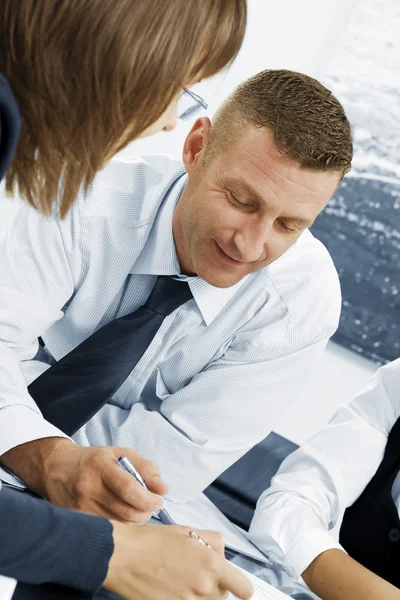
{"type": "Point", "coordinates": [290, 34]}
{"type": "Point", "coordinates": [339, 375]}
{"type": "Point", "coordinates": [299, 35]}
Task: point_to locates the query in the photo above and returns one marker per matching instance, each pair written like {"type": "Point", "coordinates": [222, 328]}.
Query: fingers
{"type": "Point", "coordinates": [227, 578]}
{"type": "Point", "coordinates": [235, 581]}
{"type": "Point", "coordinates": [120, 510]}
{"type": "Point", "coordinates": [100, 511]}
{"type": "Point", "coordinates": [125, 487]}
{"type": "Point", "coordinates": [147, 470]}
{"type": "Point", "coordinates": [214, 539]}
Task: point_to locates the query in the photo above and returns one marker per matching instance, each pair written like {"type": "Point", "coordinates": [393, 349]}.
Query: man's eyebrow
{"type": "Point", "coordinates": [300, 221]}
{"type": "Point", "coordinates": [244, 187]}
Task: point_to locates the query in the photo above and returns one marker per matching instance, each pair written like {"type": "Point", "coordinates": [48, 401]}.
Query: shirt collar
{"type": "Point", "coordinates": [211, 300]}
{"type": "Point", "coordinates": [159, 257]}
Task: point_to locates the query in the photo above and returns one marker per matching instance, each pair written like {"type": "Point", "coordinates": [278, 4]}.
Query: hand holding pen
{"type": "Point", "coordinates": [126, 464]}
{"type": "Point", "coordinates": [86, 479]}
{"type": "Point", "coordinates": [194, 564]}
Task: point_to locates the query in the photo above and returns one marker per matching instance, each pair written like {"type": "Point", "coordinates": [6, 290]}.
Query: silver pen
{"type": "Point", "coordinates": [126, 464]}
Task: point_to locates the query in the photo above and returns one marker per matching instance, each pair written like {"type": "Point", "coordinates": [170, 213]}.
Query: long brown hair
{"type": "Point", "coordinates": [90, 75]}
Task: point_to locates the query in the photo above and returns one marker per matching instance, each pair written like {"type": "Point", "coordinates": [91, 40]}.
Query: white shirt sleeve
{"type": "Point", "coordinates": [327, 474]}
{"type": "Point", "coordinates": [33, 292]}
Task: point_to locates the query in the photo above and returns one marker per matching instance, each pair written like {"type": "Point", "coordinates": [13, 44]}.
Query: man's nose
{"type": "Point", "coordinates": [251, 241]}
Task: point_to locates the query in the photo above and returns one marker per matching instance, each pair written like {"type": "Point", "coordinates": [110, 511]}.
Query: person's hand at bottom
{"type": "Point", "coordinates": [152, 562]}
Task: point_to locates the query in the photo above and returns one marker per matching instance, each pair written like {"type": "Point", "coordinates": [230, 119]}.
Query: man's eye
{"type": "Point", "coordinates": [286, 228]}
{"type": "Point", "coordinates": [237, 202]}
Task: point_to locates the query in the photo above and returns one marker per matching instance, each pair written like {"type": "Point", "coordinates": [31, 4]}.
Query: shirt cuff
{"type": "Point", "coordinates": [305, 550]}
{"type": "Point", "coordinates": [20, 424]}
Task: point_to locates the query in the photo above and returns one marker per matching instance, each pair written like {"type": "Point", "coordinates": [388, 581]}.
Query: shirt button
{"type": "Point", "coordinates": [394, 535]}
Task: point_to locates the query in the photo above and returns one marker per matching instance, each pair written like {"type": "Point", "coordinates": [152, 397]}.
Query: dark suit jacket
{"type": "Point", "coordinates": [10, 124]}
{"type": "Point", "coordinates": [40, 543]}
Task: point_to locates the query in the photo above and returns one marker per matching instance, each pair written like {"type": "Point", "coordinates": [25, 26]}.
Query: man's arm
{"type": "Point", "coordinates": [327, 474]}
{"type": "Point", "coordinates": [88, 479]}
{"type": "Point", "coordinates": [334, 575]}
{"type": "Point", "coordinates": [38, 273]}
{"type": "Point", "coordinates": [39, 268]}
{"type": "Point", "coordinates": [209, 424]}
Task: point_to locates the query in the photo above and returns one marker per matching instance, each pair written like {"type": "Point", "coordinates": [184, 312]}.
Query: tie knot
{"type": "Point", "coordinates": [167, 295]}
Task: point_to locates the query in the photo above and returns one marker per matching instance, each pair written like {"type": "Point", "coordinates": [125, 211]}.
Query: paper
{"type": "Point", "coordinates": [7, 587]}
{"type": "Point", "coordinates": [262, 589]}
{"type": "Point", "coordinates": [203, 514]}
{"type": "Point", "coordinates": [11, 480]}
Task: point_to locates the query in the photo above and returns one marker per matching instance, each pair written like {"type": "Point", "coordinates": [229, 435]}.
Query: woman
{"type": "Point", "coordinates": [89, 77]}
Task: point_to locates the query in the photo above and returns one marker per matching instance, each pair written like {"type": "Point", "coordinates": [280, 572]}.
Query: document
{"type": "Point", "coordinates": [262, 589]}
{"type": "Point", "coordinates": [7, 587]}
{"type": "Point", "coordinates": [11, 481]}
{"type": "Point", "coordinates": [203, 514]}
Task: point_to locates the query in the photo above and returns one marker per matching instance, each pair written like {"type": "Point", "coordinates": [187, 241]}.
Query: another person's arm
{"type": "Point", "coordinates": [334, 575]}
{"type": "Point", "coordinates": [316, 483]}
{"type": "Point", "coordinates": [41, 543]}
{"type": "Point", "coordinates": [158, 561]}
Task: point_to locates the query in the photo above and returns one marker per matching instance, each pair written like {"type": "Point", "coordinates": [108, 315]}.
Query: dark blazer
{"type": "Point", "coordinates": [41, 543]}
{"type": "Point", "coordinates": [10, 124]}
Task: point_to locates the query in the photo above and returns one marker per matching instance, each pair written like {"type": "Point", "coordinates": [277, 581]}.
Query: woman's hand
{"type": "Point", "coordinates": [156, 561]}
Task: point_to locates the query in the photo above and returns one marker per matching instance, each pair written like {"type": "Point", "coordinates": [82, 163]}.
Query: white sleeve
{"type": "Point", "coordinates": [36, 280]}
{"type": "Point", "coordinates": [327, 474]}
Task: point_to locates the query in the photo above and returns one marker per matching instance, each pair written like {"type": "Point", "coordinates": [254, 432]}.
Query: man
{"type": "Point", "coordinates": [223, 367]}
{"type": "Point", "coordinates": [351, 465]}
{"type": "Point", "coordinates": [44, 543]}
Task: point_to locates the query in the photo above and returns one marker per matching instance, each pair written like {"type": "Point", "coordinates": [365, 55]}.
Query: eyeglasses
{"type": "Point", "coordinates": [189, 104]}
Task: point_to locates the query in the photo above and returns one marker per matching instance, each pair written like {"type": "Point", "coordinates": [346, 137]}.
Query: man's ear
{"type": "Point", "coordinates": [195, 143]}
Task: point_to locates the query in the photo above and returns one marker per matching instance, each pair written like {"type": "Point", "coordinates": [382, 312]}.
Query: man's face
{"type": "Point", "coordinates": [244, 207]}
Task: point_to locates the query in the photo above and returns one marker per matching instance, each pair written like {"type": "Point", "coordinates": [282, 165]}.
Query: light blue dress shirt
{"type": "Point", "coordinates": [222, 369]}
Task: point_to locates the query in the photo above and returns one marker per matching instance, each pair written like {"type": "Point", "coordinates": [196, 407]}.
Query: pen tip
{"type": "Point", "coordinates": [121, 458]}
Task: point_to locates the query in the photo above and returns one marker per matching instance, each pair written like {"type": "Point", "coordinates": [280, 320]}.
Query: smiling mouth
{"type": "Point", "coordinates": [226, 258]}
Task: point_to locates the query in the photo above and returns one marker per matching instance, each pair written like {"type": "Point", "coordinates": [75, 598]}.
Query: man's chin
{"type": "Point", "coordinates": [220, 280]}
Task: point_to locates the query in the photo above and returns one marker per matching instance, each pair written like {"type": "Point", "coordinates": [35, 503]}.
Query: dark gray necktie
{"type": "Point", "coordinates": [76, 387]}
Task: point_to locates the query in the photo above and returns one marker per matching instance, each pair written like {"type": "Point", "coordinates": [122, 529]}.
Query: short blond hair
{"type": "Point", "coordinates": [308, 123]}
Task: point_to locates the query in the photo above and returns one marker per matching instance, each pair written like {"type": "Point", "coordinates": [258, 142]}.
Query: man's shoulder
{"type": "Point", "coordinates": [307, 282]}
{"type": "Point", "coordinates": [130, 190]}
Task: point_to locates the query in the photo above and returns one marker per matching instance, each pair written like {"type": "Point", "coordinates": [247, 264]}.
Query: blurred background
{"type": "Point", "coordinates": [353, 47]}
